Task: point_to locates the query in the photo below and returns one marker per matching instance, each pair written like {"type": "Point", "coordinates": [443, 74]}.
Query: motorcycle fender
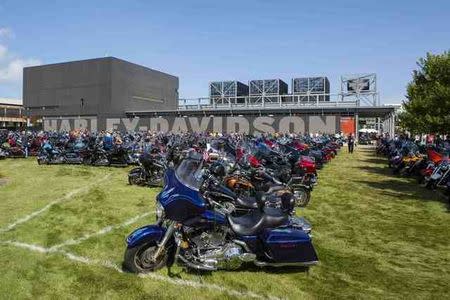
{"type": "Point", "coordinates": [136, 170]}
{"type": "Point", "coordinates": [148, 233]}
{"type": "Point", "coordinates": [436, 176]}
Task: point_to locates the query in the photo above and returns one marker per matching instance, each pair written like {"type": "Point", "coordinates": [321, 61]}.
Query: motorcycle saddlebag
{"type": "Point", "coordinates": [289, 245]}
{"type": "Point", "coordinates": [73, 158]}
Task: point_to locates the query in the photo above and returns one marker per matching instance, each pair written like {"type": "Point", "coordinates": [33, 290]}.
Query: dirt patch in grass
{"type": "Point", "coordinates": [3, 180]}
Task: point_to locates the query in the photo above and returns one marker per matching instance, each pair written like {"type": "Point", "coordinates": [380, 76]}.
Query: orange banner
{"type": "Point", "coordinates": [348, 125]}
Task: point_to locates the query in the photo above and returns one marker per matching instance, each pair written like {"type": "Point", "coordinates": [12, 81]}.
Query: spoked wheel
{"type": "Point", "coordinates": [87, 161]}
{"type": "Point", "coordinates": [135, 179]}
{"type": "Point", "coordinates": [132, 179]}
{"type": "Point", "coordinates": [42, 161]}
{"type": "Point", "coordinates": [302, 197]}
{"type": "Point", "coordinates": [139, 259]}
{"type": "Point", "coordinates": [156, 179]}
{"type": "Point", "coordinates": [431, 185]}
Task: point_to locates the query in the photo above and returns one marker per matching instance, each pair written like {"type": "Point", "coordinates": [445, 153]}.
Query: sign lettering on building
{"type": "Point", "coordinates": [229, 124]}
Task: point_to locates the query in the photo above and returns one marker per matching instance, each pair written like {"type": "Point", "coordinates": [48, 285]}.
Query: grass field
{"type": "Point", "coordinates": [62, 231]}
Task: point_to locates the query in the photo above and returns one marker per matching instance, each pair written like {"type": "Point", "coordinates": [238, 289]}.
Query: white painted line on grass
{"type": "Point", "coordinates": [100, 232]}
{"type": "Point", "coordinates": [69, 255]}
{"type": "Point", "coordinates": [46, 207]}
{"type": "Point", "coordinates": [154, 276]}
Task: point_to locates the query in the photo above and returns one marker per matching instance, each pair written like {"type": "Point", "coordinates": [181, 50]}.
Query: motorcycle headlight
{"type": "Point", "coordinates": [159, 210]}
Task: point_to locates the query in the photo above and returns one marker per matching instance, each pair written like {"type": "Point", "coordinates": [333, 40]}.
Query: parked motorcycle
{"type": "Point", "coordinates": [150, 171]}
{"type": "Point", "coordinates": [439, 177]}
{"type": "Point", "coordinates": [190, 230]}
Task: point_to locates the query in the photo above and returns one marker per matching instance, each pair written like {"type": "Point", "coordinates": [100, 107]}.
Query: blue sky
{"type": "Point", "coordinates": [200, 41]}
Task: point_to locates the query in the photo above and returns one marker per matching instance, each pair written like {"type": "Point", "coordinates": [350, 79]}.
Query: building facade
{"type": "Point", "coordinates": [12, 114]}
{"type": "Point", "coordinates": [113, 94]}
{"type": "Point", "coordinates": [99, 89]}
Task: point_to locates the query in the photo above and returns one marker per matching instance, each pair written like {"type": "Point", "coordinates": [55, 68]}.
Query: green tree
{"type": "Point", "coordinates": [427, 108]}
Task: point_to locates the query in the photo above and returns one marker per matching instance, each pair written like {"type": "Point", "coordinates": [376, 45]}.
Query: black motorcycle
{"type": "Point", "coordinates": [150, 171]}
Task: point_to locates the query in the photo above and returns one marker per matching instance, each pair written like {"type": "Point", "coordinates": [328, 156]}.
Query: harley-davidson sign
{"type": "Point", "coordinates": [230, 124]}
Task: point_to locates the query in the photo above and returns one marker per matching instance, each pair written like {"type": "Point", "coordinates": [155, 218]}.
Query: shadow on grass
{"type": "Point", "coordinates": [377, 170]}
{"type": "Point", "coordinates": [377, 160]}
{"type": "Point", "coordinates": [402, 188]}
{"type": "Point", "coordinates": [248, 267]}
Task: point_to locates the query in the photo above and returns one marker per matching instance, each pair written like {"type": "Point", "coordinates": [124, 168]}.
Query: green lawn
{"type": "Point", "coordinates": [62, 235]}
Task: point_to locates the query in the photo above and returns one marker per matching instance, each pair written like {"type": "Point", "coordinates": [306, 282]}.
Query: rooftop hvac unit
{"type": "Point", "coordinates": [268, 87]}
{"type": "Point", "coordinates": [235, 90]}
{"type": "Point", "coordinates": [318, 87]}
{"type": "Point", "coordinates": [215, 89]}
{"type": "Point", "coordinates": [267, 90]}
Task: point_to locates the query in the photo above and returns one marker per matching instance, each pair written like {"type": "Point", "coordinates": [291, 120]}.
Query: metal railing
{"type": "Point", "coordinates": [264, 101]}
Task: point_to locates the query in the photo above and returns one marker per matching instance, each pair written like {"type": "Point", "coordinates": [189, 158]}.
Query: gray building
{"type": "Point", "coordinates": [98, 88]}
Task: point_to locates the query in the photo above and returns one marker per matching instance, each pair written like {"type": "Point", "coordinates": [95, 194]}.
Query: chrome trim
{"type": "Point", "coordinates": [195, 266]}
{"type": "Point", "coordinates": [167, 235]}
{"type": "Point", "coordinates": [298, 264]}
{"type": "Point", "coordinates": [243, 244]}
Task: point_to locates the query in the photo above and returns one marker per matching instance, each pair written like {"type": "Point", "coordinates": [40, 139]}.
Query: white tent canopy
{"type": "Point", "coordinates": [366, 130]}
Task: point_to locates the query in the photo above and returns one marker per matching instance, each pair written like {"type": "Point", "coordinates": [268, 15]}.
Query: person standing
{"type": "Point", "coordinates": [350, 143]}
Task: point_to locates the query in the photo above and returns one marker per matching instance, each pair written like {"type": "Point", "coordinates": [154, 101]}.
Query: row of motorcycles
{"type": "Point", "coordinates": [12, 146]}
{"type": "Point", "coordinates": [226, 202]}
{"type": "Point", "coordinates": [429, 164]}
{"type": "Point", "coordinates": [249, 162]}
{"type": "Point", "coordinates": [52, 149]}
{"type": "Point", "coordinates": [88, 154]}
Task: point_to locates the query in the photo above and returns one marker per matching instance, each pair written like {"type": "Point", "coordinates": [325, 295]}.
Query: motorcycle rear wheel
{"type": "Point", "coordinates": [138, 259]}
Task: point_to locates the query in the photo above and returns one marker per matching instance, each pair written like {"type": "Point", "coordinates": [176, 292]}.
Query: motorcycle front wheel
{"type": "Point", "coordinates": [431, 184]}
{"type": "Point", "coordinates": [156, 179]}
{"type": "Point", "coordinates": [139, 259]}
{"type": "Point", "coordinates": [41, 161]}
{"type": "Point", "coordinates": [135, 177]}
{"type": "Point", "coordinates": [87, 161]}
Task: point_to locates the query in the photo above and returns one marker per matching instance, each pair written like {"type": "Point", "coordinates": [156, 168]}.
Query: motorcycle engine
{"type": "Point", "coordinates": [212, 250]}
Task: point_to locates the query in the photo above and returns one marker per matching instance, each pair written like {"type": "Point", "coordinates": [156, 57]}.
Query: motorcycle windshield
{"type": "Point", "coordinates": [189, 172]}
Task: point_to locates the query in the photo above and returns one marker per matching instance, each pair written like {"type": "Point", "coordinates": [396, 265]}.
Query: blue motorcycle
{"type": "Point", "coordinates": [202, 236]}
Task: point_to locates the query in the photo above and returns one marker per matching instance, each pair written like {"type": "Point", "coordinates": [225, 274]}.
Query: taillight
{"type": "Point", "coordinates": [254, 162]}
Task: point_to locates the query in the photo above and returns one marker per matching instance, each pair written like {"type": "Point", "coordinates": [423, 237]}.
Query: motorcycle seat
{"type": "Point", "coordinates": [247, 202]}
{"type": "Point", "coordinates": [256, 221]}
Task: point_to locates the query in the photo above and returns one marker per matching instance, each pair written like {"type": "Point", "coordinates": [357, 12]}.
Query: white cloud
{"type": "Point", "coordinates": [3, 51]}
{"type": "Point", "coordinates": [5, 32]}
{"type": "Point", "coordinates": [12, 71]}
{"type": "Point", "coordinates": [11, 64]}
